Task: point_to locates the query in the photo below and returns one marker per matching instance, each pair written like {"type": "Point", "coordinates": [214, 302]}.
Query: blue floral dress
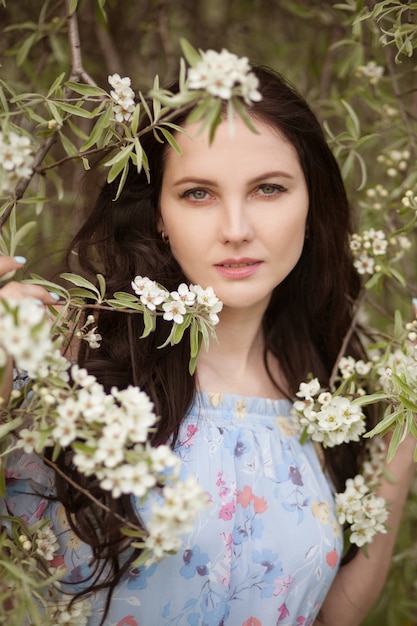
{"type": "Point", "coordinates": [263, 554]}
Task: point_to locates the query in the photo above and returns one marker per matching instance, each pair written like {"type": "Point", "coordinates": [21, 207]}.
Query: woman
{"type": "Point", "coordinates": [262, 218]}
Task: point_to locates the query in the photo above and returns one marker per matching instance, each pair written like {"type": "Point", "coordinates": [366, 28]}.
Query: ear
{"type": "Point", "coordinates": [160, 224]}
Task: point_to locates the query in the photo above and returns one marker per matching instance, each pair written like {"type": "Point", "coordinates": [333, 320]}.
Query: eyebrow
{"type": "Point", "coordinates": [207, 181]}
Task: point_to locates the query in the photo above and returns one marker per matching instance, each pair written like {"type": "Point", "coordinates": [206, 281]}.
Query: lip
{"type": "Point", "coordinates": [238, 268]}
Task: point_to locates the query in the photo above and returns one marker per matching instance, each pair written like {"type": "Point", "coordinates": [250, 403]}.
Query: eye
{"type": "Point", "coordinates": [197, 194]}
{"type": "Point", "coordinates": [270, 189]}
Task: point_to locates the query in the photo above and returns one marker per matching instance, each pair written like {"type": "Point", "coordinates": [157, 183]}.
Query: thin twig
{"type": "Point", "coordinates": [91, 152]}
{"type": "Point", "coordinates": [25, 182]}
{"type": "Point", "coordinates": [346, 339]}
{"type": "Point", "coordinates": [85, 492]}
{"type": "Point", "coordinates": [401, 107]}
{"type": "Point", "coordinates": [78, 72]}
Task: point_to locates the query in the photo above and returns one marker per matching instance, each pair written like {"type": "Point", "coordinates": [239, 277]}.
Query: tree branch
{"type": "Point", "coordinates": [346, 338]}
{"type": "Point", "coordinates": [87, 493]}
{"type": "Point", "coordinates": [78, 72]}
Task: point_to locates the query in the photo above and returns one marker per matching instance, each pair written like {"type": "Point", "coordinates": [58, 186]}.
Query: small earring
{"type": "Point", "coordinates": [164, 237]}
{"type": "Point", "coordinates": [307, 232]}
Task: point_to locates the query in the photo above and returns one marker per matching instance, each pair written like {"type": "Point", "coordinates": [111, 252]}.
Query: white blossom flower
{"type": "Point", "coordinates": [28, 440]}
{"type": "Point", "coordinates": [109, 451]}
{"type": "Point", "coordinates": [81, 376]}
{"type": "Point", "coordinates": [308, 390]}
{"type": "Point", "coordinates": [329, 419]}
{"type": "Point", "coordinates": [364, 264]}
{"type": "Point", "coordinates": [223, 74]}
{"type": "Point", "coordinates": [46, 543]}
{"type": "Point", "coordinates": [135, 479]}
{"type": "Point", "coordinates": [184, 294]}
{"type": "Point", "coordinates": [75, 614]}
{"type": "Point", "coordinates": [123, 97]}
{"type": "Point", "coordinates": [362, 509]}
{"type": "Point", "coordinates": [174, 310]}
{"type": "Point", "coordinates": [162, 458]}
{"type": "Point", "coordinates": [140, 284]}
{"type": "Point", "coordinates": [347, 366]}
{"type": "Point", "coordinates": [64, 432]}
{"type": "Point", "coordinates": [174, 515]}
{"type": "Point", "coordinates": [372, 71]}
{"type": "Point", "coordinates": [93, 338]}
{"type": "Point", "coordinates": [208, 299]}
{"type": "Point", "coordinates": [15, 159]}
{"type": "Point", "coordinates": [152, 296]}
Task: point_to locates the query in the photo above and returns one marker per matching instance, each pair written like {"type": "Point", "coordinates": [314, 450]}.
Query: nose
{"type": "Point", "coordinates": [235, 222]}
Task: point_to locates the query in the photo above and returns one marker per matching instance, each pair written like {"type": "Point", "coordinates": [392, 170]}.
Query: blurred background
{"type": "Point", "coordinates": [354, 61]}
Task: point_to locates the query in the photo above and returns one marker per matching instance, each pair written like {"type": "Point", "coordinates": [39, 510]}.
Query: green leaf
{"type": "Point", "coordinates": [67, 144]}
{"type": "Point", "coordinates": [25, 48]}
{"type": "Point", "coordinates": [134, 124]}
{"type": "Point", "coordinates": [8, 427]}
{"type": "Point", "coordinates": [122, 180]}
{"type": "Point", "coordinates": [408, 403]}
{"type": "Point", "coordinates": [57, 83]}
{"type": "Point", "coordinates": [149, 322]}
{"type": "Point", "coordinates": [75, 110]}
{"type": "Point", "coordinates": [190, 53]}
{"type": "Point", "coordinates": [55, 112]}
{"type": "Point", "coordinates": [101, 285]}
{"type": "Point", "coordinates": [199, 111]}
{"type": "Point", "coordinates": [116, 169]}
{"type": "Point", "coordinates": [243, 113]}
{"type": "Point", "coordinates": [121, 155]}
{"type": "Point", "coordinates": [304, 437]}
{"type": "Point", "coordinates": [146, 106]}
{"type": "Point", "coordinates": [103, 122]}
{"type": "Point", "coordinates": [395, 442]}
{"type": "Point", "coordinates": [79, 281]}
{"type": "Point", "coordinates": [170, 139]}
{"type": "Point", "coordinates": [87, 90]}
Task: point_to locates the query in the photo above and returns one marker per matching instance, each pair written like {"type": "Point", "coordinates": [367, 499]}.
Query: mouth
{"type": "Point", "coordinates": [238, 268]}
{"type": "Point", "coordinates": [238, 264]}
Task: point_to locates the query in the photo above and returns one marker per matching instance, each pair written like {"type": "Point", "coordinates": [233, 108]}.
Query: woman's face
{"type": "Point", "coordinates": [235, 211]}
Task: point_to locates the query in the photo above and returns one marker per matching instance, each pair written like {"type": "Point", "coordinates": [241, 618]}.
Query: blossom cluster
{"type": "Point", "coordinates": [402, 361]}
{"type": "Point", "coordinates": [173, 516]}
{"type": "Point", "coordinates": [409, 200]}
{"type": "Point", "coordinates": [328, 419]}
{"type": "Point", "coordinates": [123, 98]}
{"type": "Point", "coordinates": [175, 305]}
{"type": "Point", "coordinates": [368, 246]}
{"type": "Point", "coordinates": [88, 334]}
{"type": "Point", "coordinates": [372, 71]}
{"type": "Point", "coordinates": [108, 432]}
{"type": "Point", "coordinates": [15, 159]}
{"type": "Point", "coordinates": [359, 507]}
{"type": "Point", "coordinates": [395, 161]}
{"type": "Point", "coordinates": [25, 336]}
{"type": "Point", "coordinates": [76, 614]}
{"type": "Point", "coordinates": [224, 75]}
{"type": "Point", "coordinates": [42, 541]}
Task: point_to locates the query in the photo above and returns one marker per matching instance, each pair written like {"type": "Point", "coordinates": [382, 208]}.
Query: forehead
{"type": "Point", "coordinates": [234, 145]}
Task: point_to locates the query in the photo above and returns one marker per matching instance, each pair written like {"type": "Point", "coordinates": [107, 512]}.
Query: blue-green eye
{"type": "Point", "coordinates": [269, 189]}
{"type": "Point", "coordinates": [197, 194]}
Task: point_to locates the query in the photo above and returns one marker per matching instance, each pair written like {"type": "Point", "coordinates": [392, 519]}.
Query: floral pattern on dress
{"type": "Point", "coordinates": [263, 554]}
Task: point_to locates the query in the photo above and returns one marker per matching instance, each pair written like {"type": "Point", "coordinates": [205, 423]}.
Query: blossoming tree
{"type": "Point", "coordinates": [68, 121]}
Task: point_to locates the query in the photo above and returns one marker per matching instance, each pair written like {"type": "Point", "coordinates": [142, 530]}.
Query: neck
{"type": "Point", "coordinates": [235, 362]}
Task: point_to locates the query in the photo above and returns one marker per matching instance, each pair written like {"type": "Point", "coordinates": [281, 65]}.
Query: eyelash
{"type": "Point", "coordinates": [189, 192]}
{"type": "Point", "coordinates": [273, 186]}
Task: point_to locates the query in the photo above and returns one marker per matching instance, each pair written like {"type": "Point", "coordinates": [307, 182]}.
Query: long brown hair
{"type": "Point", "coordinates": [308, 317]}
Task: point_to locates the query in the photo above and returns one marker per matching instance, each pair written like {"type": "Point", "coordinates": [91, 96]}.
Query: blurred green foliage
{"type": "Point", "coordinates": [355, 62]}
